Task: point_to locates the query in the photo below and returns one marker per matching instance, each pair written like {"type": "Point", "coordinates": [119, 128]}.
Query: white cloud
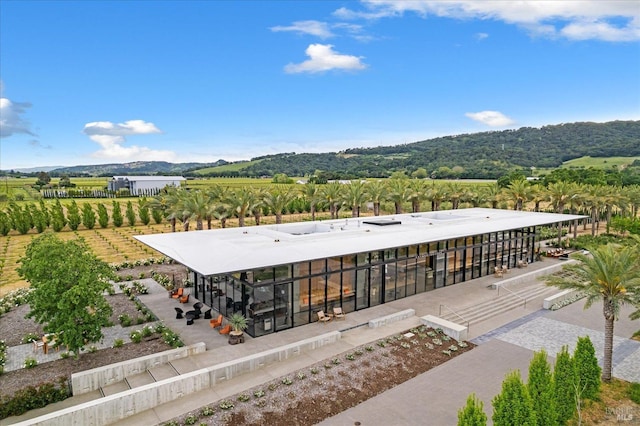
{"type": "Point", "coordinates": [322, 57]}
{"type": "Point", "coordinates": [315, 28]}
{"type": "Point", "coordinates": [11, 121]}
{"type": "Point", "coordinates": [481, 36]}
{"type": "Point", "coordinates": [491, 118]}
{"type": "Point", "coordinates": [111, 136]}
{"type": "Point", "coordinates": [613, 21]}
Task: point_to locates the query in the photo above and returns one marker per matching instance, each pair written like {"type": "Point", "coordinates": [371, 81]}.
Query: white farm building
{"type": "Point", "coordinates": [143, 185]}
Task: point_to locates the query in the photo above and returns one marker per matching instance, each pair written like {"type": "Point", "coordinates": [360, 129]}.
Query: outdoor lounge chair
{"type": "Point", "coordinates": [178, 293]}
{"type": "Point", "coordinates": [226, 329]}
{"type": "Point", "coordinates": [37, 344]}
{"type": "Point", "coordinates": [216, 322]}
{"type": "Point", "coordinates": [322, 317]}
{"type": "Point", "coordinates": [207, 314]}
{"type": "Point", "coordinates": [179, 313]}
{"type": "Point", "coordinates": [184, 299]}
{"type": "Point", "coordinates": [497, 271]}
{"type": "Point", "coordinates": [338, 313]}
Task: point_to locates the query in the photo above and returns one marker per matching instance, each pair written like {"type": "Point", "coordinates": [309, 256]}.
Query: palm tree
{"type": "Point", "coordinates": [456, 192]}
{"type": "Point", "coordinates": [398, 193]}
{"type": "Point", "coordinates": [332, 192]}
{"type": "Point", "coordinates": [417, 193]}
{"type": "Point", "coordinates": [377, 192]}
{"type": "Point", "coordinates": [196, 207]}
{"type": "Point", "coordinates": [311, 192]}
{"type": "Point", "coordinates": [560, 193]}
{"type": "Point", "coordinates": [612, 275]}
{"type": "Point", "coordinates": [494, 194]}
{"type": "Point", "coordinates": [354, 197]}
{"type": "Point", "coordinates": [256, 208]}
{"type": "Point", "coordinates": [243, 199]}
{"type": "Point", "coordinates": [436, 194]}
{"type": "Point", "coordinates": [594, 195]}
{"type": "Point", "coordinates": [277, 199]}
{"type": "Point", "coordinates": [519, 191]}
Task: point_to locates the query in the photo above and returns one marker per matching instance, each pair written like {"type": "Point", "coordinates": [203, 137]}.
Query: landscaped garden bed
{"type": "Point", "coordinates": [327, 388]}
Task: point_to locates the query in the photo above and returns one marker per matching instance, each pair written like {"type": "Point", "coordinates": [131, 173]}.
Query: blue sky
{"type": "Point", "coordinates": [117, 81]}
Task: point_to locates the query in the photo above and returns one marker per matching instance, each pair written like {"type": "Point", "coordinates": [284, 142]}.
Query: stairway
{"type": "Point", "coordinates": [155, 374]}
{"type": "Point", "coordinates": [507, 300]}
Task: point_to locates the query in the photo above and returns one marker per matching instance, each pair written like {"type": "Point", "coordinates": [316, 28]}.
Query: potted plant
{"type": "Point", "coordinates": [238, 324]}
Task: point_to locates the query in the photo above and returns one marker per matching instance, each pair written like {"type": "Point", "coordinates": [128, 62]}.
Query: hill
{"type": "Point", "coordinates": [134, 168]}
{"type": "Point", "coordinates": [477, 155]}
{"type": "Point", "coordinates": [485, 155]}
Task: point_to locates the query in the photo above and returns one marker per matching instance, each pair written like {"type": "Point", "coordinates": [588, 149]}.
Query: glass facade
{"type": "Point", "coordinates": [284, 296]}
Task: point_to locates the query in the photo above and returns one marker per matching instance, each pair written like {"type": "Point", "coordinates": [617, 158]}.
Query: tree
{"type": "Point", "coordinates": [88, 216]}
{"type": "Point", "coordinates": [564, 379]}
{"type": "Point", "coordinates": [540, 388]}
{"type": "Point", "coordinates": [58, 220]}
{"type": "Point", "coordinates": [131, 215]}
{"type": "Point", "coordinates": [332, 192]}
{"type": "Point", "coordinates": [354, 196]}
{"type": "Point", "coordinates": [103, 216]}
{"type": "Point", "coordinates": [420, 173]}
{"type": "Point", "coordinates": [65, 182]}
{"type": "Point", "coordinates": [143, 211]}
{"type": "Point", "coordinates": [73, 215]}
{"type": "Point", "coordinates": [512, 406]}
{"type": "Point", "coordinates": [68, 284]}
{"type": "Point", "coordinates": [587, 369]}
{"type": "Point", "coordinates": [377, 192]}
{"type": "Point", "coordinates": [311, 192]}
{"type": "Point", "coordinates": [277, 200]}
{"type": "Point", "coordinates": [610, 275]}
{"type": "Point", "coordinates": [520, 192]}
{"type": "Point", "coordinates": [472, 414]}
{"type": "Point", "coordinates": [116, 215]}
{"type": "Point", "coordinates": [43, 179]}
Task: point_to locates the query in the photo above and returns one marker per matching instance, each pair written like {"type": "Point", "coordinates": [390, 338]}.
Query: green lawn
{"type": "Point", "coordinates": [599, 162]}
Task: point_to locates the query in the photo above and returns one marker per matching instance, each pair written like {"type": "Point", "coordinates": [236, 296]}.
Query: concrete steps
{"type": "Point", "coordinates": [507, 300]}
{"type": "Point", "coordinates": [152, 375]}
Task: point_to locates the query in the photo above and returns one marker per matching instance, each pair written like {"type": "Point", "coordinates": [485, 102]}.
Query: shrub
{"type": "Point", "coordinates": [634, 392]}
{"type": "Point", "coordinates": [472, 414]}
{"type": "Point", "coordinates": [243, 397]}
{"type": "Point", "coordinates": [225, 404]}
{"type": "Point", "coordinates": [118, 343]}
{"type": "Point", "coordinates": [125, 320]}
{"type": "Point", "coordinates": [190, 419]}
{"type": "Point", "coordinates": [207, 411]}
{"type": "Point", "coordinates": [30, 362]}
{"type": "Point", "coordinates": [30, 337]}
{"type": "Point", "coordinates": [587, 369]}
{"type": "Point", "coordinates": [33, 397]}
{"type": "Point", "coordinates": [135, 336]}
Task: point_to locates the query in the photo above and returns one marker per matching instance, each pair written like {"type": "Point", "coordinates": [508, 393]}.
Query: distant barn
{"type": "Point", "coordinates": [143, 185]}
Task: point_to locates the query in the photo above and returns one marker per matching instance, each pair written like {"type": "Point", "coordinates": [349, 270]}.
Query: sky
{"type": "Point", "coordinates": [96, 82]}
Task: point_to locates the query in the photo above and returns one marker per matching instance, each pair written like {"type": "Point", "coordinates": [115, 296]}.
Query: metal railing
{"type": "Point", "coordinates": [514, 293]}
{"type": "Point", "coordinates": [454, 313]}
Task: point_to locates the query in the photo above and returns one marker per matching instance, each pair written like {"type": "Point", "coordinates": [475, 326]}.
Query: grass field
{"type": "Point", "coordinates": [233, 167]}
{"type": "Point", "coordinates": [599, 162]}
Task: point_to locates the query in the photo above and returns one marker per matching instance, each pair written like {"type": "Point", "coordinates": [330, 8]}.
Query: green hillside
{"type": "Point", "coordinates": [600, 162]}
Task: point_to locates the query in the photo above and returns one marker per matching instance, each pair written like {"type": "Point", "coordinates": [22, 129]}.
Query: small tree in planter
{"type": "Point", "coordinates": [238, 323]}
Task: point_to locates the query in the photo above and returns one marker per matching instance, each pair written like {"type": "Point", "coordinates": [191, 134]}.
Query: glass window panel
{"type": "Point", "coordinates": [334, 264]}
{"type": "Point", "coordinates": [263, 275]}
{"type": "Point", "coordinates": [390, 254]}
{"type": "Point", "coordinates": [362, 258]}
{"type": "Point", "coordinates": [282, 272]}
{"type": "Point", "coordinates": [301, 269]}
{"type": "Point", "coordinates": [348, 262]}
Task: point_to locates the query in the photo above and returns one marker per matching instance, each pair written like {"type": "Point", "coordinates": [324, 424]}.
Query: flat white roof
{"type": "Point", "coordinates": [219, 251]}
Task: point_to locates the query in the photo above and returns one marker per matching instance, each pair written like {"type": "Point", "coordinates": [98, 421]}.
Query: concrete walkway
{"type": "Point", "coordinates": [435, 395]}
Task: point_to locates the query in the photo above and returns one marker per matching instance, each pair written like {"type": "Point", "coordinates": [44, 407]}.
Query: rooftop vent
{"type": "Point", "coordinates": [382, 222]}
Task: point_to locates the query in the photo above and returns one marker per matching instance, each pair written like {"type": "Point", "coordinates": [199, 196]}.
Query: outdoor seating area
{"type": "Point", "coordinates": [338, 313]}
{"type": "Point", "coordinates": [323, 318]}
{"type": "Point", "coordinates": [47, 342]}
{"type": "Point", "coordinates": [558, 253]}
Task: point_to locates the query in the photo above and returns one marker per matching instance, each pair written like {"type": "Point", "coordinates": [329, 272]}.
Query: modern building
{"type": "Point", "coordinates": [143, 185]}
{"type": "Point", "coordinates": [280, 276]}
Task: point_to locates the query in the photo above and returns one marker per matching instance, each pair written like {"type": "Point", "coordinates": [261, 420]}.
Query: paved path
{"type": "Point", "coordinates": [435, 397]}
